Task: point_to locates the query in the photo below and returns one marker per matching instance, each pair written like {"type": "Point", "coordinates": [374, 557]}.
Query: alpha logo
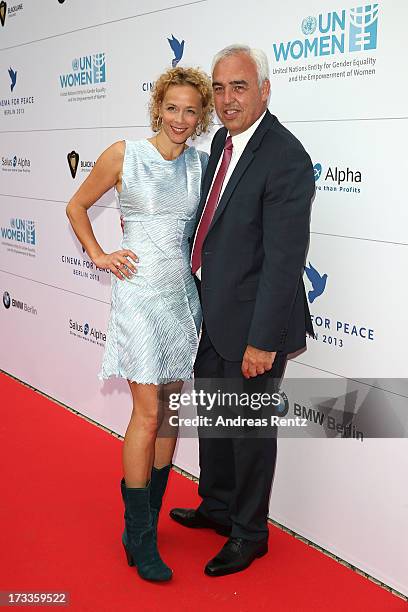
{"type": "Point", "coordinates": [15, 164]}
{"type": "Point", "coordinates": [335, 177]}
{"type": "Point", "coordinates": [73, 161]}
{"type": "Point", "coordinates": [20, 230]}
{"type": "Point", "coordinates": [87, 70]}
{"type": "Point", "coordinates": [3, 12]}
{"type": "Point", "coordinates": [13, 78]}
{"type": "Point", "coordinates": [6, 300]}
{"type": "Point", "coordinates": [318, 282]}
{"type": "Point", "coordinates": [61, 1]}
{"type": "Point", "coordinates": [348, 30]}
{"type": "Point", "coordinates": [19, 304]}
{"type": "Point", "coordinates": [178, 49]}
{"type": "Point", "coordinates": [86, 332]}
{"type": "Point", "coordinates": [317, 171]}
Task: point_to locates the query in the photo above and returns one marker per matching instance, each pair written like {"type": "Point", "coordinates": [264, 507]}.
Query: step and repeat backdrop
{"type": "Point", "coordinates": [76, 76]}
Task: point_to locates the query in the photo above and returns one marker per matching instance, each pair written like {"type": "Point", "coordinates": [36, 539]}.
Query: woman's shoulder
{"type": "Point", "coordinates": [202, 155]}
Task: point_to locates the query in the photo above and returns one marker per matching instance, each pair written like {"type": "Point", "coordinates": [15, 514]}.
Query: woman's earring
{"type": "Point", "coordinates": [159, 122]}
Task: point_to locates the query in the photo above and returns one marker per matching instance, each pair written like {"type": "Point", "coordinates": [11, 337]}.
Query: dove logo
{"type": "Point", "coordinates": [178, 49]}
{"type": "Point", "coordinates": [13, 78]}
{"type": "Point", "coordinates": [317, 281]}
{"type": "Point", "coordinates": [317, 171]}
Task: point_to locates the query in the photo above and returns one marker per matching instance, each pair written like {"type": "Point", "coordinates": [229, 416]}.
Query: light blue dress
{"type": "Point", "coordinates": [155, 316]}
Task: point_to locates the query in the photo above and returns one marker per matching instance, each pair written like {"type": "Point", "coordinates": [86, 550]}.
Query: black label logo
{"type": "Point", "coordinates": [73, 161]}
{"type": "Point", "coordinates": [3, 12]}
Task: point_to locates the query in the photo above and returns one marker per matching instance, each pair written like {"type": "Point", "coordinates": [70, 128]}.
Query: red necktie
{"type": "Point", "coordinates": [211, 206]}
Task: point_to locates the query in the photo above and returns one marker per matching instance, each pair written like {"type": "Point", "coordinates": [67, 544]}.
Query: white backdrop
{"type": "Point", "coordinates": [350, 497]}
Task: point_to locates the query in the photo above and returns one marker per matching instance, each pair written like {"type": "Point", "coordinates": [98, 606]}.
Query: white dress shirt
{"type": "Point", "coordinates": [239, 142]}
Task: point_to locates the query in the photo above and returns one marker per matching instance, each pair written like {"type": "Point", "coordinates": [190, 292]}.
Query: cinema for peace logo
{"type": "Point", "coordinates": [16, 104]}
{"type": "Point", "coordinates": [334, 330]}
{"type": "Point", "coordinates": [336, 32]}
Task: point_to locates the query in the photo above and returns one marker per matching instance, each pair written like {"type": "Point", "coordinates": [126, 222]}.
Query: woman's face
{"type": "Point", "coordinates": [181, 110]}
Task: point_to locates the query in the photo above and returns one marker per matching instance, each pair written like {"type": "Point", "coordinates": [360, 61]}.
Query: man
{"type": "Point", "coordinates": [248, 250]}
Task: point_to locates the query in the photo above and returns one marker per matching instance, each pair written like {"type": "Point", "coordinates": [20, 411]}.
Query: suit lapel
{"type": "Point", "coordinates": [246, 158]}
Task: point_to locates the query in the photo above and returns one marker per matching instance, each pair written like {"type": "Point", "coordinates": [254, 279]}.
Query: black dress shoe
{"type": "Point", "coordinates": [236, 555]}
{"type": "Point", "coordinates": [189, 517]}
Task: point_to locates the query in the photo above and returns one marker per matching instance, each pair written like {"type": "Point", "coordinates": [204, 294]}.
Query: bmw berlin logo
{"type": "Point", "coordinates": [282, 408]}
{"type": "Point", "coordinates": [6, 299]}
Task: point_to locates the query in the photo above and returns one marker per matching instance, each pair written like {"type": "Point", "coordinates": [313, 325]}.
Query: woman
{"type": "Point", "coordinates": [155, 315]}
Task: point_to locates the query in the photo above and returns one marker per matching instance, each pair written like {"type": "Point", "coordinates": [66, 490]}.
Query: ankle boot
{"type": "Point", "coordinates": [138, 538]}
{"type": "Point", "coordinates": [158, 486]}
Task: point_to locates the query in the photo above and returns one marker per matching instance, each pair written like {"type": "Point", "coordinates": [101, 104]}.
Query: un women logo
{"type": "Point", "coordinates": [309, 25]}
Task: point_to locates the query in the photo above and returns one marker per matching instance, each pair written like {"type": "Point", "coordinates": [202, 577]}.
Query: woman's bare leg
{"type": "Point", "coordinates": [167, 434]}
{"type": "Point", "coordinates": [139, 445]}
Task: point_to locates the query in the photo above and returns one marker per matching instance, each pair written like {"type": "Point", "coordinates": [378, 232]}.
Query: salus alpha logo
{"type": "Point", "coordinates": [86, 332]}
{"type": "Point", "coordinates": [14, 163]}
{"type": "Point", "coordinates": [339, 179]}
{"type": "Point", "coordinates": [9, 11]}
{"type": "Point", "coordinates": [85, 80]}
{"type": "Point", "coordinates": [329, 329]}
{"type": "Point", "coordinates": [73, 163]}
{"type": "Point", "coordinates": [178, 49]}
{"type": "Point", "coordinates": [15, 105]}
{"type": "Point", "coordinates": [9, 301]}
{"type": "Point", "coordinates": [332, 33]}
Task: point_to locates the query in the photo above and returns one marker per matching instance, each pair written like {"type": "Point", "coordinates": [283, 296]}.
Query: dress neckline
{"type": "Point", "coordinates": [168, 161]}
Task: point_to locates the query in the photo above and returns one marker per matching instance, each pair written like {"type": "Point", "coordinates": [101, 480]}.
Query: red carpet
{"type": "Point", "coordinates": [61, 522]}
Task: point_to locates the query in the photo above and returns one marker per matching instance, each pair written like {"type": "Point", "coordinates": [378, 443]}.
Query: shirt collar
{"type": "Point", "coordinates": [240, 141]}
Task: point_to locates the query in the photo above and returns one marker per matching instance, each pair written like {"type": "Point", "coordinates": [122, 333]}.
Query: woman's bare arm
{"type": "Point", "coordinates": [106, 173]}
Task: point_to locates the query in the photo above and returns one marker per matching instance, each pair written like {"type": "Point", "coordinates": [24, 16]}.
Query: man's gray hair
{"type": "Point", "coordinates": [257, 55]}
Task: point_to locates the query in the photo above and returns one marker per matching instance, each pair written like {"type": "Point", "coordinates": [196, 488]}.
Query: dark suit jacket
{"type": "Point", "coordinates": [252, 289]}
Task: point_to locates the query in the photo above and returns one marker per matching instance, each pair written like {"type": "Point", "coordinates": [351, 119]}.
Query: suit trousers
{"type": "Point", "coordinates": [236, 472]}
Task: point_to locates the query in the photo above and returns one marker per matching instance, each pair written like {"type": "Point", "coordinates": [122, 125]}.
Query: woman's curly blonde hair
{"type": "Point", "coordinates": [183, 76]}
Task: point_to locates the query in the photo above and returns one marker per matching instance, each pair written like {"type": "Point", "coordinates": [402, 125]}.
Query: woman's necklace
{"type": "Point", "coordinates": [163, 153]}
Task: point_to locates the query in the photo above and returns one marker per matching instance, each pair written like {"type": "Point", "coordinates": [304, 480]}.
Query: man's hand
{"type": "Point", "coordinates": [256, 361]}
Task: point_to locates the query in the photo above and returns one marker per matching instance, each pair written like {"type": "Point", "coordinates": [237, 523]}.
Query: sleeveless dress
{"type": "Point", "coordinates": [155, 316]}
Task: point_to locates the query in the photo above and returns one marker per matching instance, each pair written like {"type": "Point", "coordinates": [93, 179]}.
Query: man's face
{"type": "Point", "coordinates": [238, 100]}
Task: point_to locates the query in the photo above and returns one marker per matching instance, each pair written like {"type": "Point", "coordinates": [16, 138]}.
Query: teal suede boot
{"type": "Point", "coordinates": [158, 486]}
{"type": "Point", "coordinates": [138, 538]}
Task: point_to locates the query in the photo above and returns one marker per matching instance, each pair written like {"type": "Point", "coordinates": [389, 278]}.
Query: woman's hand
{"type": "Point", "coordinates": [120, 263]}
